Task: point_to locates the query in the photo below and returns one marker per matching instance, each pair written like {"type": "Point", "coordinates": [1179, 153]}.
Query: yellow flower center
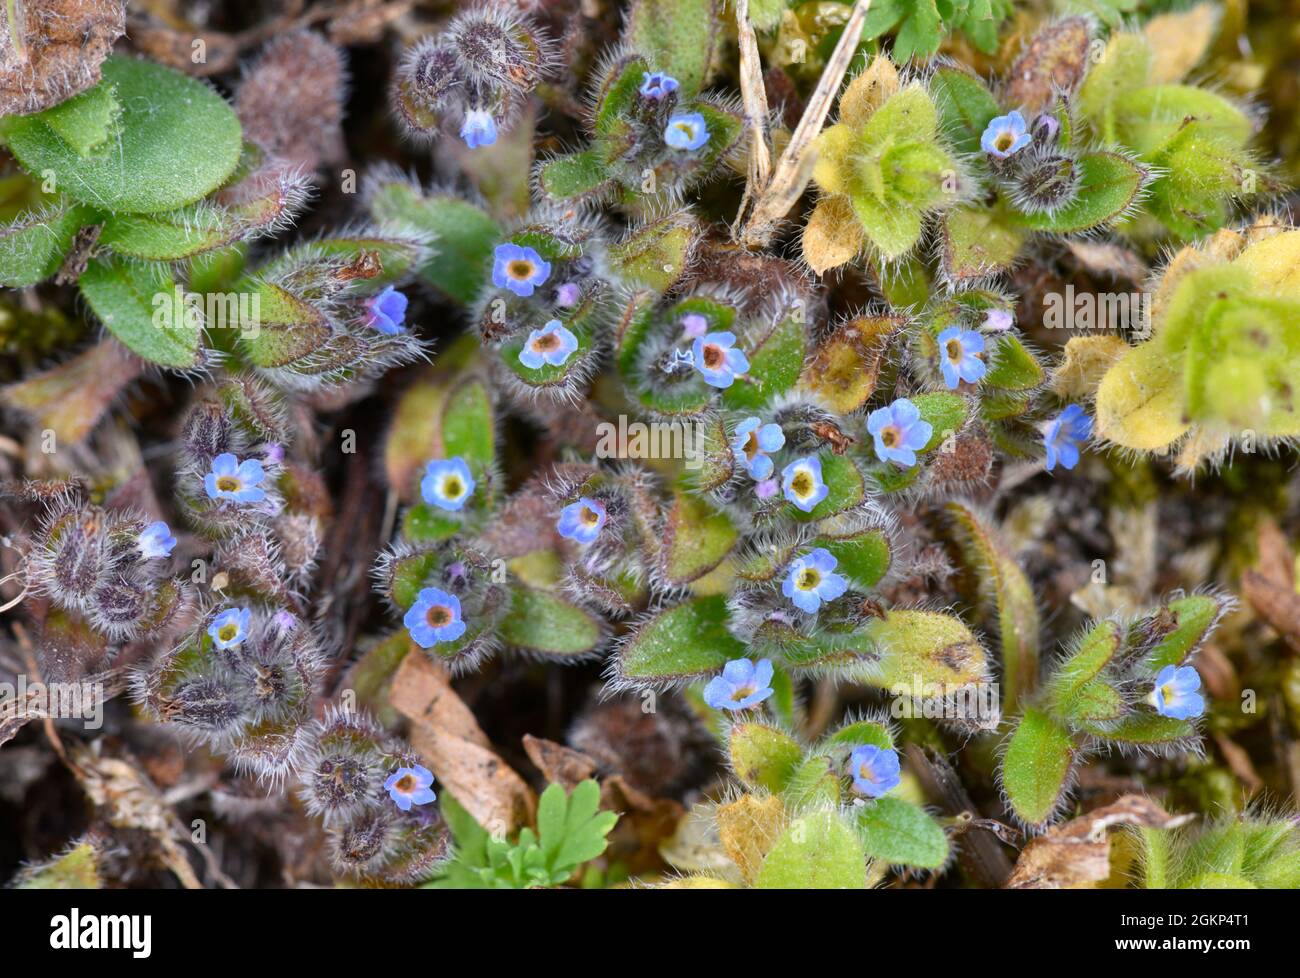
{"type": "Point", "coordinates": [228, 631]}
{"type": "Point", "coordinates": [589, 516]}
{"type": "Point", "coordinates": [751, 444]}
{"type": "Point", "coordinates": [520, 269]}
{"type": "Point", "coordinates": [546, 342]}
{"type": "Point", "coordinates": [405, 784]}
{"type": "Point", "coordinates": [228, 483]}
{"type": "Point", "coordinates": [1005, 140]}
{"type": "Point", "coordinates": [452, 487]}
{"type": "Point", "coordinates": [808, 579]}
{"type": "Point", "coordinates": [954, 350]}
{"type": "Point", "coordinates": [742, 692]}
{"type": "Point", "coordinates": [438, 615]}
{"type": "Point", "coordinates": [890, 436]}
{"type": "Point", "coordinates": [713, 356]}
{"type": "Point", "coordinates": [802, 484]}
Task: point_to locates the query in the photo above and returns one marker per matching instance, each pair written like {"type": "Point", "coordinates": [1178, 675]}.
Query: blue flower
{"type": "Point", "coordinates": [811, 581]}
{"type": "Point", "coordinates": [518, 268]}
{"type": "Point", "coordinates": [583, 520]}
{"type": "Point", "coordinates": [1064, 435]}
{"type": "Point", "coordinates": [435, 617]}
{"type": "Point", "coordinates": [1005, 135]}
{"type": "Point", "coordinates": [686, 131]}
{"type": "Point", "coordinates": [551, 344]}
{"type": "Point", "coordinates": [230, 627]}
{"type": "Point", "coordinates": [229, 479]}
{"type": "Point", "coordinates": [657, 85]}
{"type": "Point", "coordinates": [874, 770]}
{"type": "Point", "coordinates": [715, 356]}
{"type": "Point", "coordinates": [410, 786]}
{"type": "Point", "coordinates": [801, 481]}
{"type": "Point", "coordinates": [957, 356]}
{"type": "Point", "coordinates": [155, 540]}
{"type": "Point", "coordinates": [478, 129]}
{"type": "Point", "coordinates": [1175, 693]}
{"type": "Point", "coordinates": [741, 685]}
{"type": "Point", "coordinates": [447, 483]}
{"type": "Point", "coordinates": [899, 432]}
{"type": "Point", "coordinates": [752, 443]}
{"type": "Point", "coordinates": [387, 311]}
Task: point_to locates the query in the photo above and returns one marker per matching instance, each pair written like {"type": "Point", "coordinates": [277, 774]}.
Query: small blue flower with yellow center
{"type": "Point", "coordinates": [1063, 436]}
{"type": "Point", "coordinates": [478, 129]}
{"type": "Point", "coordinates": [899, 432]}
{"type": "Point", "coordinates": [741, 685]}
{"type": "Point", "coordinates": [875, 770]}
{"type": "Point", "coordinates": [753, 441]}
{"type": "Point", "coordinates": [435, 617]}
{"type": "Point", "coordinates": [386, 312]}
{"type": "Point", "coordinates": [230, 627]}
{"type": "Point", "coordinates": [518, 268]}
{"type": "Point", "coordinates": [582, 521]}
{"type": "Point", "coordinates": [155, 540]}
{"type": "Point", "coordinates": [959, 356]}
{"type": "Point", "coordinates": [686, 131]}
{"type": "Point", "coordinates": [812, 580]}
{"type": "Point", "coordinates": [1176, 693]}
{"type": "Point", "coordinates": [238, 482]}
{"type": "Point", "coordinates": [552, 344]}
{"type": "Point", "coordinates": [802, 483]}
{"type": "Point", "coordinates": [1005, 135]}
{"type": "Point", "coordinates": [717, 359]}
{"type": "Point", "coordinates": [447, 483]}
{"type": "Point", "coordinates": [409, 786]}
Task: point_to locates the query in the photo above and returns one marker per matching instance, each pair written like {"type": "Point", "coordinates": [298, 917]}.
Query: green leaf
{"type": "Point", "coordinates": [677, 37]}
{"type": "Point", "coordinates": [920, 31]}
{"type": "Point", "coordinates": [543, 622]}
{"type": "Point", "coordinates": [464, 236]}
{"type": "Point", "coordinates": [1108, 185]}
{"type": "Point", "coordinates": [1012, 367]}
{"type": "Point", "coordinates": [1180, 627]}
{"type": "Point", "coordinates": [698, 538]}
{"type": "Point", "coordinates": [966, 107]}
{"type": "Point", "coordinates": [34, 246]}
{"type": "Point", "coordinates": [763, 756]}
{"type": "Point", "coordinates": [775, 362]}
{"type": "Point", "coordinates": [863, 558]}
{"type": "Point", "coordinates": [946, 413]}
{"type": "Point", "coordinates": [655, 255]}
{"type": "Point", "coordinates": [845, 486]}
{"type": "Point", "coordinates": [288, 329]}
{"type": "Point", "coordinates": [859, 733]}
{"type": "Point", "coordinates": [136, 303]}
{"type": "Point", "coordinates": [1093, 653]}
{"type": "Point", "coordinates": [1036, 766]}
{"type": "Point", "coordinates": [977, 241]}
{"type": "Point", "coordinates": [574, 175]}
{"type": "Point", "coordinates": [177, 140]}
{"type": "Point", "coordinates": [468, 427]}
{"type": "Point", "coordinates": [683, 642]}
{"type": "Point", "coordinates": [901, 834]}
{"type": "Point", "coordinates": [170, 235]}
{"type": "Point", "coordinates": [572, 830]}
{"type": "Point", "coordinates": [87, 121]}
{"type": "Point", "coordinates": [76, 869]}
{"type": "Point", "coordinates": [928, 648]}
{"type": "Point", "coordinates": [817, 851]}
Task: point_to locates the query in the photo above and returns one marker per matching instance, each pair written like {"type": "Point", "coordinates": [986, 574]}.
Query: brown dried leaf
{"type": "Point", "coordinates": [71, 398]}
{"type": "Point", "coordinates": [1055, 60]}
{"type": "Point", "coordinates": [445, 733]}
{"type": "Point", "coordinates": [832, 235]}
{"type": "Point", "coordinates": [52, 49]}
{"type": "Point", "coordinates": [559, 764]}
{"type": "Point", "coordinates": [1270, 585]}
{"type": "Point", "coordinates": [868, 91]}
{"type": "Point", "coordinates": [1076, 854]}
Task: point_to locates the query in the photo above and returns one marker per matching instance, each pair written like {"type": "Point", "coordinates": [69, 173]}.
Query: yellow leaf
{"type": "Point", "coordinates": [749, 827]}
{"type": "Point", "coordinates": [868, 91]}
{"type": "Point", "coordinates": [833, 169]}
{"type": "Point", "coordinates": [1086, 360]}
{"type": "Point", "coordinates": [1274, 263]}
{"type": "Point", "coordinates": [832, 235]}
{"type": "Point", "coordinates": [1139, 401]}
{"type": "Point", "coordinates": [1179, 41]}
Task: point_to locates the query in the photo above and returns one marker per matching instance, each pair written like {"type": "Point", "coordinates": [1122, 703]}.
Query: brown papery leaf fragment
{"type": "Point", "coordinates": [51, 50]}
{"type": "Point", "coordinates": [1076, 854]}
{"type": "Point", "coordinates": [1269, 586]}
{"type": "Point", "coordinates": [449, 739]}
{"type": "Point", "coordinates": [71, 398]}
{"type": "Point", "coordinates": [1054, 60]}
{"type": "Point", "coordinates": [559, 764]}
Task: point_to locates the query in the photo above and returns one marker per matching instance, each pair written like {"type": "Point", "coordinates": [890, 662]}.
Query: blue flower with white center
{"type": "Point", "coordinates": [583, 520]}
{"type": "Point", "coordinates": [409, 786]}
{"type": "Point", "coordinates": [1064, 434]}
{"type": "Point", "coordinates": [518, 268]}
{"type": "Point", "coordinates": [899, 432]}
{"type": "Point", "coordinates": [812, 580]}
{"type": "Point", "coordinates": [1176, 693]}
{"type": "Point", "coordinates": [1005, 135]}
{"type": "Point", "coordinates": [802, 483]}
{"type": "Point", "coordinates": [716, 358]}
{"type": "Point", "coordinates": [386, 312]}
{"type": "Point", "coordinates": [239, 482]}
{"type": "Point", "coordinates": [656, 85]}
{"type": "Point", "coordinates": [478, 129]}
{"type": "Point", "coordinates": [447, 483]}
{"type": "Point", "coordinates": [230, 627]}
{"type": "Point", "coordinates": [874, 770]}
{"type": "Point", "coordinates": [741, 685]}
{"type": "Point", "coordinates": [686, 131]}
{"type": "Point", "coordinates": [435, 617]}
{"type": "Point", "coordinates": [959, 359]}
{"type": "Point", "coordinates": [552, 344]}
{"type": "Point", "coordinates": [155, 540]}
{"type": "Point", "coordinates": [753, 441]}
